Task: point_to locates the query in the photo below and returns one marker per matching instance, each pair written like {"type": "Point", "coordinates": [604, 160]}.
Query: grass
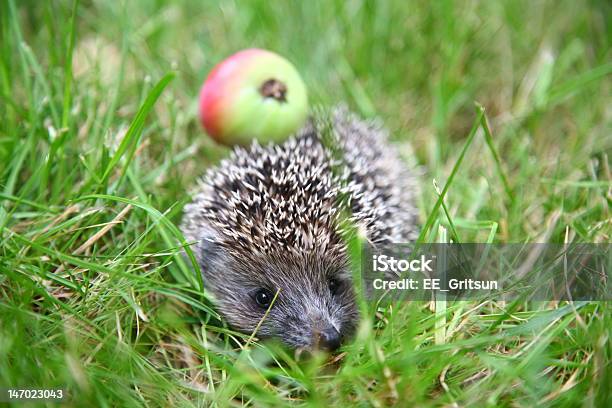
{"type": "Point", "coordinates": [99, 146]}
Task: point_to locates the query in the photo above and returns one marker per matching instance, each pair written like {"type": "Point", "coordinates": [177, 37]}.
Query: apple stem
{"type": "Point", "coordinates": [274, 88]}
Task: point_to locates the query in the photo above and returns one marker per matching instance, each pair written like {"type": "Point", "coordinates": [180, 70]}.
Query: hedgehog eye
{"type": "Point", "coordinates": [263, 298]}
{"type": "Point", "coordinates": [334, 285]}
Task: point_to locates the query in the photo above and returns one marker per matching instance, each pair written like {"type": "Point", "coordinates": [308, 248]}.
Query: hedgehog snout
{"type": "Point", "coordinates": [328, 339]}
{"type": "Point", "coordinates": [325, 334]}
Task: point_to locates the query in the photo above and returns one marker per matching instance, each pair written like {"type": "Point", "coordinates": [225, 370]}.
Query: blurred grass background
{"type": "Point", "coordinates": [96, 162]}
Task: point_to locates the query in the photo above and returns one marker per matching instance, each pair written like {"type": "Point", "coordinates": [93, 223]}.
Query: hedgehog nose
{"type": "Point", "coordinates": [329, 339]}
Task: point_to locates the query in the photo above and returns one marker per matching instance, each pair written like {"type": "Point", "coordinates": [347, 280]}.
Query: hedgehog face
{"type": "Point", "coordinates": [308, 297]}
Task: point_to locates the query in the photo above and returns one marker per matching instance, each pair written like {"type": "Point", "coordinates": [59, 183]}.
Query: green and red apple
{"type": "Point", "coordinates": [253, 94]}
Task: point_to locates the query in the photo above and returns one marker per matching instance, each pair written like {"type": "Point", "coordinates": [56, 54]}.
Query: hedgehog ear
{"type": "Point", "coordinates": [209, 251]}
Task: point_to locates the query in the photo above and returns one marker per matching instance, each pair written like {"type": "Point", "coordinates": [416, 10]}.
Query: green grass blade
{"type": "Point", "coordinates": [68, 67]}
{"type": "Point", "coordinates": [498, 165]}
{"type": "Point", "coordinates": [434, 211]}
{"type": "Point", "coordinates": [132, 136]}
{"type": "Point", "coordinates": [194, 277]}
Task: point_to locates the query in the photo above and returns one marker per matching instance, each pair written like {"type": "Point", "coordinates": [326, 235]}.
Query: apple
{"type": "Point", "coordinates": [253, 94]}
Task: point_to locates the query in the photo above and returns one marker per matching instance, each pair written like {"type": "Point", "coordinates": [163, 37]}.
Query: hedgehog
{"type": "Point", "coordinates": [267, 227]}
